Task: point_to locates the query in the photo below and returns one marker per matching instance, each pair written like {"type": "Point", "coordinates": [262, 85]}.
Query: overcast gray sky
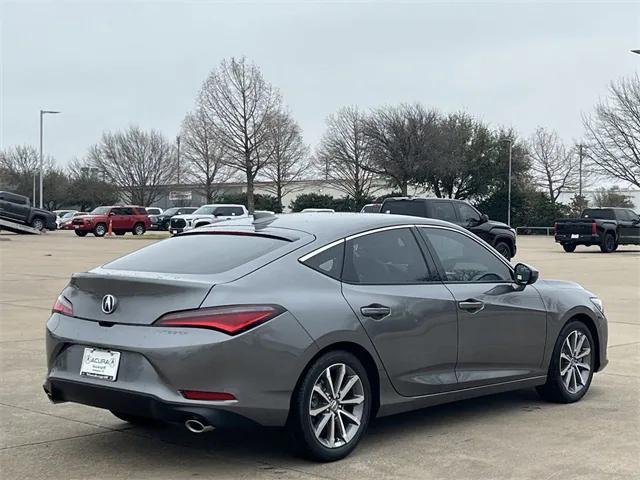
{"type": "Point", "coordinates": [107, 65]}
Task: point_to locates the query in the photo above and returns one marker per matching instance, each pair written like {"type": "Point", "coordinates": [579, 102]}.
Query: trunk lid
{"type": "Point", "coordinates": [140, 297]}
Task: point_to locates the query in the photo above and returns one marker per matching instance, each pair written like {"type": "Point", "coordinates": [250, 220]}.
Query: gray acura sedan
{"type": "Point", "coordinates": [319, 322]}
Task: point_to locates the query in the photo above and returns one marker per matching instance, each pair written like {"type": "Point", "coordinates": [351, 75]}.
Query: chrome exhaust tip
{"type": "Point", "coordinates": [196, 426]}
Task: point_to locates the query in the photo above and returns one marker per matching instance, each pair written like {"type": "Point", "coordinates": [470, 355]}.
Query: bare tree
{"type": "Point", "coordinates": [19, 168]}
{"type": "Point", "coordinates": [553, 166]}
{"type": "Point", "coordinates": [401, 141]}
{"type": "Point", "coordinates": [613, 132]}
{"type": "Point", "coordinates": [239, 102]}
{"type": "Point", "coordinates": [137, 161]}
{"type": "Point", "coordinates": [289, 156]}
{"type": "Point", "coordinates": [204, 152]}
{"type": "Point", "coordinates": [344, 154]}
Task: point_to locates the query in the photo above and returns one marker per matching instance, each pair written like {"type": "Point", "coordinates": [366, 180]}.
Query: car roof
{"type": "Point", "coordinates": [222, 205]}
{"type": "Point", "coordinates": [327, 227]}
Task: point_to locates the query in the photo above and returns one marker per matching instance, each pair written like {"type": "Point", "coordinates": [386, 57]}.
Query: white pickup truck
{"type": "Point", "coordinates": [206, 215]}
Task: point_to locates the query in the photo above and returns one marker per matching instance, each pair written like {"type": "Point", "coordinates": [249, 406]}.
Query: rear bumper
{"type": "Point", "coordinates": [140, 404]}
{"type": "Point", "coordinates": [582, 238]}
{"type": "Point", "coordinates": [259, 367]}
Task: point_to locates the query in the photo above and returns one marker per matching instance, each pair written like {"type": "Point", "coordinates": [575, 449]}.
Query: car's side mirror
{"type": "Point", "coordinates": [484, 218]}
{"type": "Point", "coordinates": [111, 214]}
{"type": "Point", "coordinates": [525, 274]}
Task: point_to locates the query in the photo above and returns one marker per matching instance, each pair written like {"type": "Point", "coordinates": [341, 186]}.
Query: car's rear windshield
{"type": "Point", "coordinates": [405, 207]}
{"type": "Point", "coordinates": [198, 254]}
{"type": "Point", "coordinates": [603, 213]}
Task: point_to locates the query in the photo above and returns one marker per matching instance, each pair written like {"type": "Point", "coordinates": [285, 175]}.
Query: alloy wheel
{"type": "Point", "coordinates": [575, 361]}
{"type": "Point", "coordinates": [336, 405]}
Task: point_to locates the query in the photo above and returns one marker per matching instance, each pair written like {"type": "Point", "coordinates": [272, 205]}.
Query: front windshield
{"type": "Point", "coordinates": [68, 215]}
{"type": "Point", "coordinates": [171, 211]}
{"type": "Point", "coordinates": [206, 210]}
{"type": "Point", "coordinates": [100, 210]}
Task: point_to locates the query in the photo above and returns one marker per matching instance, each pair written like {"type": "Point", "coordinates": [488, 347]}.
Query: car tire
{"type": "Point", "coordinates": [38, 223]}
{"type": "Point", "coordinates": [504, 249]}
{"type": "Point", "coordinates": [100, 230]}
{"type": "Point", "coordinates": [81, 233]}
{"type": "Point", "coordinates": [608, 243]}
{"type": "Point", "coordinates": [574, 351]}
{"type": "Point", "coordinates": [133, 419]}
{"type": "Point", "coordinates": [615, 247]}
{"type": "Point", "coordinates": [341, 417]}
{"type": "Point", "coordinates": [138, 229]}
{"type": "Point", "coordinates": [569, 247]}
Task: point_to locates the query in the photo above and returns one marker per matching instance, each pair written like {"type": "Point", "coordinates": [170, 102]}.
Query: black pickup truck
{"type": "Point", "coordinates": [605, 227]}
{"type": "Point", "coordinates": [497, 234]}
{"type": "Point", "coordinates": [16, 208]}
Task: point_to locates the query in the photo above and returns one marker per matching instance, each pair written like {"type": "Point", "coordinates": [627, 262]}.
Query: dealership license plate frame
{"type": "Point", "coordinates": [100, 363]}
{"type": "Point", "coordinates": [574, 236]}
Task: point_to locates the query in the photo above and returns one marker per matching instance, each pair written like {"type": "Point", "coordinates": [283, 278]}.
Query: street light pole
{"type": "Point", "coordinates": [178, 143]}
{"type": "Point", "coordinates": [580, 146]}
{"type": "Point", "coordinates": [509, 183]}
{"type": "Point", "coordinates": [42, 113]}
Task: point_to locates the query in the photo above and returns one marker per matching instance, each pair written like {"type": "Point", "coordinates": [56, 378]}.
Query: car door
{"type": "Point", "coordinates": [408, 314]}
{"type": "Point", "coordinates": [628, 226]}
{"type": "Point", "coordinates": [118, 218]}
{"type": "Point", "coordinates": [443, 210]}
{"type": "Point", "coordinates": [501, 326]}
{"type": "Point", "coordinates": [16, 207]}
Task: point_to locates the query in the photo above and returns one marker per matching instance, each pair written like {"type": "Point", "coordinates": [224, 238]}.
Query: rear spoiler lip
{"type": "Point", "coordinates": [140, 276]}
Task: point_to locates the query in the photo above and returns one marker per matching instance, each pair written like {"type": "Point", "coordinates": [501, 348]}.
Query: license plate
{"type": "Point", "coordinates": [100, 364]}
{"type": "Point", "coordinates": [575, 235]}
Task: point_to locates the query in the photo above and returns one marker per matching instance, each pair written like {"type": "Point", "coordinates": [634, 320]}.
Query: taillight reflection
{"type": "Point", "coordinates": [230, 320]}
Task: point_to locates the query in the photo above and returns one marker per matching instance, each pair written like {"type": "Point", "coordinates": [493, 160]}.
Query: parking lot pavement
{"type": "Point", "coordinates": [513, 435]}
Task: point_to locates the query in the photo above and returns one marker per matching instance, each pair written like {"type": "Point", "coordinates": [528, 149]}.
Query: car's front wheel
{"type": "Point", "coordinates": [572, 364]}
{"type": "Point", "coordinates": [100, 230]}
{"type": "Point", "coordinates": [37, 223]}
{"type": "Point", "coordinates": [138, 229]}
{"type": "Point", "coordinates": [504, 249]}
{"type": "Point", "coordinates": [608, 244]}
{"type": "Point", "coordinates": [569, 247]}
{"type": "Point", "coordinates": [81, 233]}
{"type": "Point", "coordinates": [331, 407]}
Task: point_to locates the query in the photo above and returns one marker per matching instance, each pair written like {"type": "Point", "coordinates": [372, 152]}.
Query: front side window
{"type": "Point", "coordinates": [205, 210]}
{"type": "Point", "coordinates": [389, 257]}
{"type": "Point", "coordinates": [463, 259]}
{"type": "Point", "coordinates": [468, 215]}
{"type": "Point", "coordinates": [443, 211]}
{"type": "Point", "coordinates": [100, 210]}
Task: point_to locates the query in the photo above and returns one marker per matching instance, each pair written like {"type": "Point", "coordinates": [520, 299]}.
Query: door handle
{"type": "Point", "coordinates": [375, 311]}
{"type": "Point", "coordinates": [471, 305]}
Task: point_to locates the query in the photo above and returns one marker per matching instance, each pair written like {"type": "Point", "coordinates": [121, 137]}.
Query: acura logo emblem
{"type": "Point", "coordinates": [108, 304]}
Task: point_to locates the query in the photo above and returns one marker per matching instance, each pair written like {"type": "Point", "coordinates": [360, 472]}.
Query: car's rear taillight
{"type": "Point", "coordinates": [63, 306]}
{"type": "Point", "coordinates": [594, 228]}
{"type": "Point", "coordinates": [231, 320]}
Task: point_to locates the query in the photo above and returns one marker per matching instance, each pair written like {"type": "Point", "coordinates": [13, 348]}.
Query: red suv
{"type": "Point", "coordinates": [123, 219]}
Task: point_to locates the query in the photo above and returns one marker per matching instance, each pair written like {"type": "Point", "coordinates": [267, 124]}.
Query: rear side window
{"type": "Point", "coordinates": [228, 211]}
{"type": "Point", "coordinates": [328, 261]}
{"type": "Point", "coordinates": [604, 214]}
{"type": "Point", "coordinates": [198, 254]}
{"type": "Point", "coordinates": [390, 257]}
{"type": "Point", "coordinates": [405, 207]}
